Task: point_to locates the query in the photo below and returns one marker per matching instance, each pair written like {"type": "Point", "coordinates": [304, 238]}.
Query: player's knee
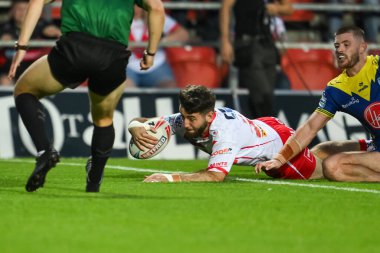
{"type": "Point", "coordinates": [102, 122]}
{"type": "Point", "coordinates": [328, 169]}
{"type": "Point", "coordinates": [333, 167]}
{"type": "Point", "coordinates": [102, 118]}
{"type": "Point", "coordinates": [20, 88]}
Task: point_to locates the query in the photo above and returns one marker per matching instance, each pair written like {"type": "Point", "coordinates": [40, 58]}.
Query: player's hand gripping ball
{"type": "Point", "coordinates": [162, 134]}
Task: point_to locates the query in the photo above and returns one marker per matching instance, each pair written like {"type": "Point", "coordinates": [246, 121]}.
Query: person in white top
{"type": "Point", "coordinates": [161, 74]}
{"type": "Point", "coordinates": [231, 138]}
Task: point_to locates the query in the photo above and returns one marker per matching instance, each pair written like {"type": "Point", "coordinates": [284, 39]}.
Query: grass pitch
{"type": "Point", "coordinates": [247, 213]}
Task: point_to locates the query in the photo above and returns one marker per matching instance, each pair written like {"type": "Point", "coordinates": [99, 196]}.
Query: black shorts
{"type": "Point", "coordinates": [80, 56]}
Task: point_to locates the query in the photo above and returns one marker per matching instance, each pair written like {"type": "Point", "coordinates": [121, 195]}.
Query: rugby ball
{"type": "Point", "coordinates": [162, 134]}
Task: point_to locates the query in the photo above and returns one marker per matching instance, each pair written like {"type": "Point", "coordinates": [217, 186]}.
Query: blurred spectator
{"type": "Point", "coordinates": [302, 22]}
{"type": "Point", "coordinates": [369, 21]}
{"type": "Point", "coordinates": [205, 22]}
{"type": "Point", "coordinates": [254, 52]}
{"type": "Point", "coordinates": [9, 31]}
{"type": "Point", "coordinates": [160, 74]}
{"type": "Point", "coordinates": [200, 23]}
{"type": "Point", "coordinates": [277, 27]}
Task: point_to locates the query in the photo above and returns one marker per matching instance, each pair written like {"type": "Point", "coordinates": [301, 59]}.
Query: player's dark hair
{"type": "Point", "coordinates": [197, 98]}
{"type": "Point", "coordinates": [356, 31]}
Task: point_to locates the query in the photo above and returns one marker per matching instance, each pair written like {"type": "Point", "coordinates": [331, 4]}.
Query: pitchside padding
{"type": "Point", "coordinates": [70, 125]}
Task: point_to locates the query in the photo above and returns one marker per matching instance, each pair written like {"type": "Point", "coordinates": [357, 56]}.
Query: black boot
{"type": "Point", "coordinates": [44, 163]}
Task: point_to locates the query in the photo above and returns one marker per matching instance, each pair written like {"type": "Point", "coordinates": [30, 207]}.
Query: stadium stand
{"type": "Point", "coordinates": [309, 70]}
{"type": "Point", "coordinates": [56, 11]}
{"type": "Point", "coordinates": [200, 63]}
{"type": "Point", "coordinates": [194, 65]}
{"type": "Point", "coordinates": [300, 15]}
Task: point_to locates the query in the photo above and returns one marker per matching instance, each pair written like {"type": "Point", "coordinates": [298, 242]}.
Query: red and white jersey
{"type": "Point", "coordinates": [234, 139]}
{"type": "Point", "coordinates": [139, 33]}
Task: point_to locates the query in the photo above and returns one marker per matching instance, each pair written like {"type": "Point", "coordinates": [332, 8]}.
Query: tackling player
{"type": "Point", "coordinates": [230, 138]}
{"type": "Point", "coordinates": [357, 92]}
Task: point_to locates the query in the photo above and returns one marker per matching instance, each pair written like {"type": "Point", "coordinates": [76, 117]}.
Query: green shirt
{"type": "Point", "coordinates": [109, 19]}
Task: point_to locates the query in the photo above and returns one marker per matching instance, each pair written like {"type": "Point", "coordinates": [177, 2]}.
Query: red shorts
{"type": "Point", "coordinates": [300, 167]}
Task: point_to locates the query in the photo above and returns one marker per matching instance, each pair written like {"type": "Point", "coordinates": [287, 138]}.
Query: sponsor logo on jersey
{"type": "Point", "coordinates": [218, 164]}
{"type": "Point", "coordinates": [308, 155]}
{"type": "Point", "coordinates": [222, 152]}
{"type": "Point", "coordinates": [178, 122]}
{"type": "Point", "coordinates": [372, 115]}
{"type": "Point", "coordinates": [363, 87]}
{"type": "Point", "coordinates": [322, 101]}
{"type": "Point", "coordinates": [351, 102]}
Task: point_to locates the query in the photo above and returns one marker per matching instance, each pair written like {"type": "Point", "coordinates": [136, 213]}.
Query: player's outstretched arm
{"type": "Point", "coordinates": [296, 143]}
{"type": "Point", "coordinates": [202, 176]}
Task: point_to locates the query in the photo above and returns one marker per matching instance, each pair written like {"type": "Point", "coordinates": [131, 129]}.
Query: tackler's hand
{"type": "Point", "coordinates": [268, 165]}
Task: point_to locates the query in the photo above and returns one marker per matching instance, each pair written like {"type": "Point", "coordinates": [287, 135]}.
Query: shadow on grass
{"type": "Point", "coordinates": [81, 194]}
{"type": "Point", "coordinates": [11, 182]}
{"type": "Point", "coordinates": [127, 175]}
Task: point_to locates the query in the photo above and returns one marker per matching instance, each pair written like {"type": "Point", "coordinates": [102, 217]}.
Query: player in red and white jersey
{"type": "Point", "coordinates": [230, 138]}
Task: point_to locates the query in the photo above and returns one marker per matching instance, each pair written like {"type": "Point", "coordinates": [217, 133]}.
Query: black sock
{"type": "Point", "coordinates": [101, 147]}
{"type": "Point", "coordinates": [33, 115]}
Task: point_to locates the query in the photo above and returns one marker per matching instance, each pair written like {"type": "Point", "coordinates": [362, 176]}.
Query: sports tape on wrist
{"type": "Point", "coordinates": [295, 145]}
{"type": "Point", "coordinates": [173, 177]}
{"type": "Point", "coordinates": [291, 148]}
{"type": "Point", "coordinates": [169, 177]}
{"type": "Point", "coordinates": [177, 178]}
{"type": "Point", "coordinates": [136, 123]}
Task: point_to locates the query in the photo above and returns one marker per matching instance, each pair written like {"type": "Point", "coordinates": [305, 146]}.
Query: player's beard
{"type": "Point", "coordinates": [351, 62]}
{"type": "Point", "coordinates": [198, 133]}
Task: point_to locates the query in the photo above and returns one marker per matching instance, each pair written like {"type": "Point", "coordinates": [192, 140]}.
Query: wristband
{"type": "Point", "coordinates": [173, 177]}
{"type": "Point", "coordinates": [177, 178]}
{"type": "Point", "coordinates": [21, 47]}
{"type": "Point", "coordinates": [148, 53]}
{"type": "Point", "coordinates": [135, 123]}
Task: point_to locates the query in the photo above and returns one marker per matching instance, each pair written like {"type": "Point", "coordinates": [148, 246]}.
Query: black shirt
{"type": "Point", "coordinates": [251, 18]}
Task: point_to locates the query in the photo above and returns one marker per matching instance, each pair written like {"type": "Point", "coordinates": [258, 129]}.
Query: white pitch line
{"type": "Point", "coordinates": [350, 189]}
{"type": "Point", "coordinates": [260, 181]}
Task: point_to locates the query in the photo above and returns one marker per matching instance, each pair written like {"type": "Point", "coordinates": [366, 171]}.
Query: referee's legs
{"type": "Point", "coordinates": [103, 137]}
{"type": "Point", "coordinates": [35, 83]}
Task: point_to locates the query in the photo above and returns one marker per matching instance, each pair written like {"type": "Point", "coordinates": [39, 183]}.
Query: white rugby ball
{"type": "Point", "coordinates": [162, 134]}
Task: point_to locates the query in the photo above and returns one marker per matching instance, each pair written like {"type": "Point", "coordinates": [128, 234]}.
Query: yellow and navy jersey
{"type": "Point", "coordinates": [358, 96]}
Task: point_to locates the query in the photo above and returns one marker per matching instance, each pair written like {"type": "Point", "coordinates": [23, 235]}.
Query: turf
{"type": "Point", "coordinates": [131, 216]}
